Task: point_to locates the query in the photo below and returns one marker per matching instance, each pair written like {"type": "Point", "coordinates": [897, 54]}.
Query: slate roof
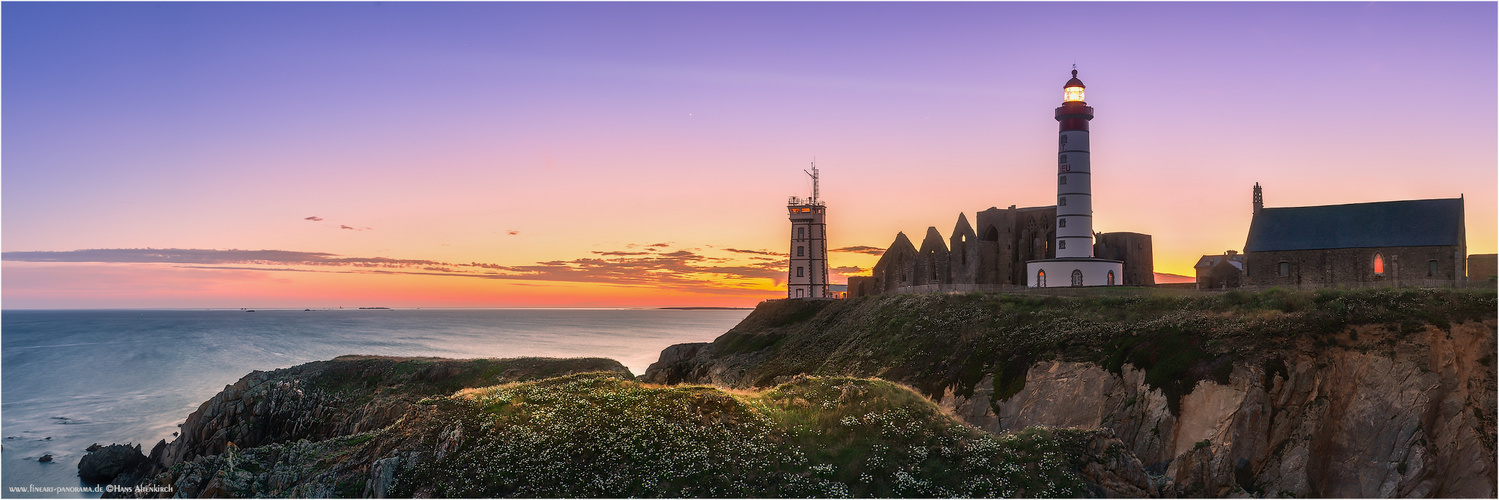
{"type": "Point", "coordinates": [1236, 260]}
{"type": "Point", "coordinates": [1410, 223]}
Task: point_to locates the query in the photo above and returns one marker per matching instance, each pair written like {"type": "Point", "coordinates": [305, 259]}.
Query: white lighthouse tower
{"type": "Point", "coordinates": [807, 274]}
{"type": "Point", "coordinates": [1074, 264]}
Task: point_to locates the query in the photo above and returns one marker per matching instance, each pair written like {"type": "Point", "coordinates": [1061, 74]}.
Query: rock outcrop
{"type": "Point", "coordinates": [102, 464]}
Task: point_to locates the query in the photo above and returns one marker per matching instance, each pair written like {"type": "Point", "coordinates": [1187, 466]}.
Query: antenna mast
{"type": "Point", "coordinates": [813, 173]}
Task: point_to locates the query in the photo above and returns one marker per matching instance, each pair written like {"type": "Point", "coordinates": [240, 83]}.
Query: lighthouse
{"type": "Point", "coordinates": [807, 272]}
{"type": "Point", "coordinates": [1074, 264]}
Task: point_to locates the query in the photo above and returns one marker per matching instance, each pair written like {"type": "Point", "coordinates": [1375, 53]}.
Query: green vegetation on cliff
{"type": "Point", "coordinates": [941, 342]}
{"type": "Point", "coordinates": [596, 435]}
{"type": "Point", "coordinates": [395, 429]}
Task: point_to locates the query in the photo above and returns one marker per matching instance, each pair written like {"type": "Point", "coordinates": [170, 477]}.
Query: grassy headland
{"type": "Point", "coordinates": [940, 342]}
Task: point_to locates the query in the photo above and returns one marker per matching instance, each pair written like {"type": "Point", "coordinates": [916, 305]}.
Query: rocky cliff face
{"type": "Point", "coordinates": [1362, 409]}
{"type": "Point", "coordinates": [1413, 419]}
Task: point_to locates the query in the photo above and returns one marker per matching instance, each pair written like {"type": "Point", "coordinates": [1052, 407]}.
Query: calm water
{"type": "Point", "coordinates": [81, 377]}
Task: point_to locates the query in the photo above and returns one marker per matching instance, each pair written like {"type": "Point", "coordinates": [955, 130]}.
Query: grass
{"type": "Point", "coordinates": [600, 435]}
{"type": "Point", "coordinates": [947, 342]}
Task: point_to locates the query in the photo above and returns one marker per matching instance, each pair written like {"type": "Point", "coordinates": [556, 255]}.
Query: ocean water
{"type": "Point", "coordinates": [72, 378]}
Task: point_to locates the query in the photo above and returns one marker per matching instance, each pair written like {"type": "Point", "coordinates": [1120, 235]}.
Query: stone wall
{"type": "Point", "coordinates": [1483, 267]}
{"type": "Point", "coordinates": [1134, 249]}
{"type": "Point", "coordinates": [1008, 238]}
{"type": "Point", "coordinates": [1355, 266]}
{"type": "Point", "coordinates": [932, 260]}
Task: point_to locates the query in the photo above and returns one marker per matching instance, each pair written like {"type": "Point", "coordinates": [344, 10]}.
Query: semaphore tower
{"type": "Point", "coordinates": [807, 274]}
{"type": "Point", "coordinates": [1074, 264]}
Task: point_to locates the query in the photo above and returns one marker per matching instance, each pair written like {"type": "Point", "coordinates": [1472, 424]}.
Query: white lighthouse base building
{"type": "Point", "coordinates": [1065, 272]}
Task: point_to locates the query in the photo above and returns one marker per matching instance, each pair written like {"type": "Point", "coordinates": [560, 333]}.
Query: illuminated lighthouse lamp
{"type": "Point", "coordinates": [1073, 91]}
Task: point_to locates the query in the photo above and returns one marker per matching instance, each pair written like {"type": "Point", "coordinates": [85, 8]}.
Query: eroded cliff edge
{"type": "Point", "coordinates": [1363, 393]}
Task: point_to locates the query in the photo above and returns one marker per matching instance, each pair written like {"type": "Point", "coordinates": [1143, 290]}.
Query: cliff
{"type": "Point", "coordinates": [360, 426]}
{"type": "Point", "coordinates": [1364, 393]}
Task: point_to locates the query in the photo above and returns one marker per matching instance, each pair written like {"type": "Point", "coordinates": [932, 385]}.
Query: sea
{"type": "Point", "coordinates": [71, 378]}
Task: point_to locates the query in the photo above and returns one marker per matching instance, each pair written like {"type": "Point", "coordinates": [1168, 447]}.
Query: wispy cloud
{"type": "Point", "coordinates": [848, 269]}
{"type": "Point", "coordinates": [682, 269]}
{"type": "Point", "coordinates": [755, 252]}
{"type": "Point", "coordinates": [314, 218]}
{"type": "Point", "coordinates": [869, 250]}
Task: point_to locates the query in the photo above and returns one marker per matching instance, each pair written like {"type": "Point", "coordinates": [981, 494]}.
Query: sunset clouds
{"type": "Point", "coordinates": [656, 265]}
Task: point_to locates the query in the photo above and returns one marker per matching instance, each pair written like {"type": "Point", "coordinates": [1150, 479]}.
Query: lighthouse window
{"type": "Point", "coordinates": [1063, 159]}
{"type": "Point", "coordinates": [1077, 277]}
{"type": "Point", "coordinates": [1063, 181]}
{"type": "Point", "coordinates": [1062, 245]}
{"type": "Point", "coordinates": [800, 250]}
{"type": "Point", "coordinates": [1041, 278]}
{"type": "Point", "coordinates": [801, 232]}
{"type": "Point", "coordinates": [798, 271]}
{"type": "Point", "coordinates": [1111, 278]}
{"type": "Point", "coordinates": [1062, 201]}
{"type": "Point", "coordinates": [1061, 222]}
{"type": "Point", "coordinates": [1431, 268]}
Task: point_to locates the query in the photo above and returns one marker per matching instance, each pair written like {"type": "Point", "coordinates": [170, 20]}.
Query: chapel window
{"type": "Point", "coordinates": [1285, 268]}
{"type": "Point", "coordinates": [1431, 268]}
{"type": "Point", "coordinates": [1378, 264]}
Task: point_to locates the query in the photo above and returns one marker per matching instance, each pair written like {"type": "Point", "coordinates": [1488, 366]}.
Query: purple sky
{"type": "Point", "coordinates": [432, 131]}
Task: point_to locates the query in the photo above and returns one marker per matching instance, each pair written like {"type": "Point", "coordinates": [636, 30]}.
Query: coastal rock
{"type": "Point", "coordinates": [674, 365]}
{"type": "Point", "coordinates": [104, 464]}
{"type": "Point", "coordinates": [45, 458]}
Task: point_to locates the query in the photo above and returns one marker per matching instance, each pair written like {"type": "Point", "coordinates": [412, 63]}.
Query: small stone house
{"type": "Point", "coordinates": [1220, 271]}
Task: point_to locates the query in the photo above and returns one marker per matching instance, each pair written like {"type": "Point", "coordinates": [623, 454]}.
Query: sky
{"type": "Point", "coordinates": [640, 154]}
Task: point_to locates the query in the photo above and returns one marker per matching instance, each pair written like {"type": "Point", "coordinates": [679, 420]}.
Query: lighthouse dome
{"type": "Point", "coordinates": [1074, 82]}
